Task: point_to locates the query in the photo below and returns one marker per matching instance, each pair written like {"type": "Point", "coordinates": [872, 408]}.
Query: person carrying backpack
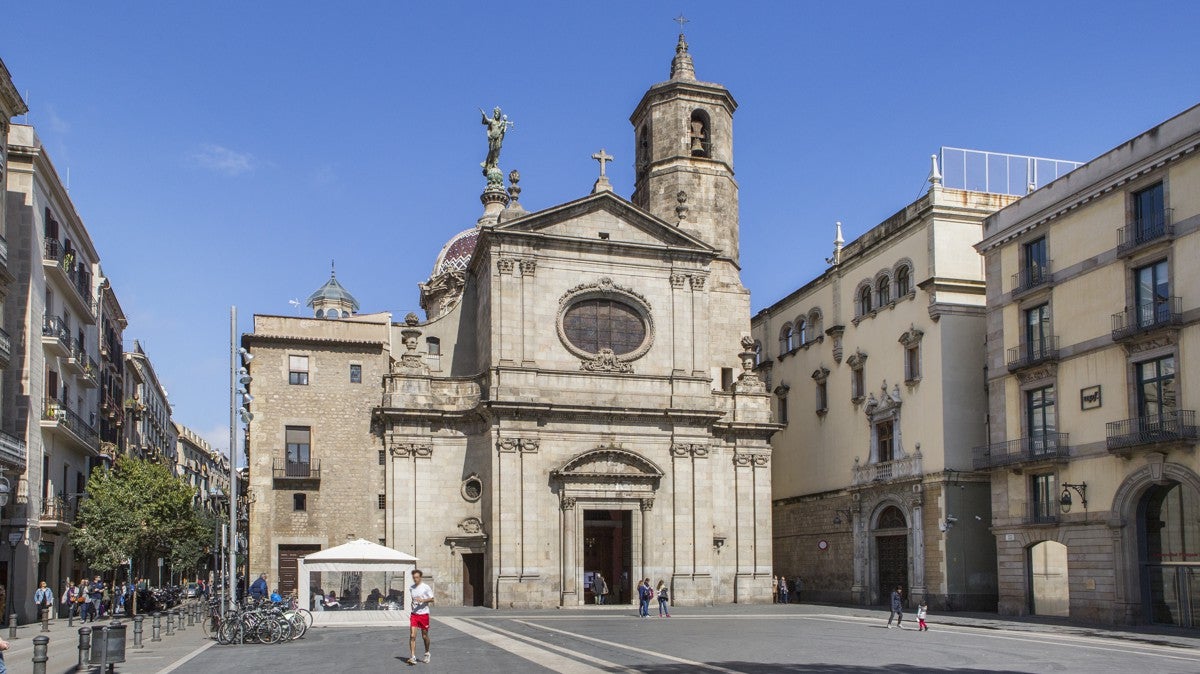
{"type": "Point", "coordinates": [664, 596]}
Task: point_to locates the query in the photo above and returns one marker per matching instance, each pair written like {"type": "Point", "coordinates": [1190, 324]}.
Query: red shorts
{"type": "Point", "coordinates": [420, 620]}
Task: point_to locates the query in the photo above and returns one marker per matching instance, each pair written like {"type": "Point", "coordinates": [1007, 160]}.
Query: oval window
{"type": "Point", "coordinates": [472, 488]}
{"type": "Point", "coordinates": [597, 324]}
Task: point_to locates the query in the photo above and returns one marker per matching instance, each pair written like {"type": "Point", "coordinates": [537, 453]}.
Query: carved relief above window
{"type": "Point", "coordinates": [606, 325]}
{"type": "Point", "coordinates": [857, 362]}
{"type": "Point", "coordinates": [911, 340]}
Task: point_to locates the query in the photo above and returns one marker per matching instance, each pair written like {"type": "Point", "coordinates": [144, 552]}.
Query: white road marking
{"type": "Point", "coordinates": [184, 660]}
{"type": "Point", "coordinates": [613, 644]}
{"type": "Point", "coordinates": [539, 656]}
{"type": "Point", "coordinates": [610, 666]}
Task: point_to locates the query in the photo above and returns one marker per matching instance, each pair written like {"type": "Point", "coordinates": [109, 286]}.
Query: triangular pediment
{"type": "Point", "coordinates": [604, 218]}
{"type": "Point", "coordinates": [609, 462]}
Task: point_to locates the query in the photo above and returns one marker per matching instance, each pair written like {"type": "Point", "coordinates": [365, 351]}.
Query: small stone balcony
{"type": "Point", "coordinates": [903, 468]}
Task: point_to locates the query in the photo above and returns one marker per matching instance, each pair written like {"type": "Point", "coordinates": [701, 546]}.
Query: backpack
{"type": "Point", "coordinates": [663, 595]}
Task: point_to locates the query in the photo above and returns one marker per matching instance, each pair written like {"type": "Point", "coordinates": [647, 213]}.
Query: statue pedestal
{"type": "Point", "coordinates": [494, 200]}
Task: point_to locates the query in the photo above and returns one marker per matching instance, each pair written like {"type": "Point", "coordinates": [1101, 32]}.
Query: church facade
{"type": "Point", "coordinates": [579, 400]}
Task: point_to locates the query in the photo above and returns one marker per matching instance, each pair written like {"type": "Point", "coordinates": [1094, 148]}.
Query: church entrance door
{"type": "Point", "coordinates": [472, 579]}
{"type": "Point", "coordinates": [608, 549]}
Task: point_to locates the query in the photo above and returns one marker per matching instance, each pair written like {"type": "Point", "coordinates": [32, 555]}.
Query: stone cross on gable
{"type": "Point", "coordinates": [602, 157]}
{"type": "Point", "coordinates": [681, 19]}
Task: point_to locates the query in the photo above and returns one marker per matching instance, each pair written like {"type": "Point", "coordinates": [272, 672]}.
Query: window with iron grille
{"type": "Point", "coordinates": [381, 501]}
{"type": "Point", "coordinates": [356, 374]}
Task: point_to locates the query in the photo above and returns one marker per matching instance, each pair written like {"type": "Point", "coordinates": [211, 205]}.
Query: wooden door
{"type": "Point", "coordinates": [286, 579]}
{"type": "Point", "coordinates": [893, 566]}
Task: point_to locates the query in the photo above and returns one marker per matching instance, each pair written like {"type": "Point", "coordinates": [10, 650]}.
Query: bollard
{"type": "Point", "coordinates": [45, 620]}
{"type": "Point", "coordinates": [137, 630]}
{"type": "Point", "coordinates": [71, 615]}
{"type": "Point", "coordinates": [180, 613]}
{"type": "Point", "coordinates": [191, 614]}
{"type": "Point", "coordinates": [156, 627]}
{"type": "Point", "coordinates": [12, 626]}
{"type": "Point", "coordinates": [85, 647]}
{"type": "Point", "coordinates": [104, 650]}
{"type": "Point", "coordinates": [39, 654]}
{"type": "Point", "coordinates": [170, 623]}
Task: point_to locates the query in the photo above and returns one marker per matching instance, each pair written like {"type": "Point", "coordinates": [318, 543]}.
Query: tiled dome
{"type": "Point", "coordinates": [456, 254]}
{"type": "Point", "coordinates": [332, 293]}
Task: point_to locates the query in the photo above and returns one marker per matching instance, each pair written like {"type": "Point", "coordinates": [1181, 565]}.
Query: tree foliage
{"type": "Point", "coordinates": [136, 510]}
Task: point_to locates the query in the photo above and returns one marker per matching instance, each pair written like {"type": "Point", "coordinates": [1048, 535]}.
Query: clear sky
{"type": "Point", "coordinates": [224, 152]}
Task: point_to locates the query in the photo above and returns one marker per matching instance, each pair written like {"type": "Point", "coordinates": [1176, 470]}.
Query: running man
{"type": "Point", "coordinates": [422, 597]}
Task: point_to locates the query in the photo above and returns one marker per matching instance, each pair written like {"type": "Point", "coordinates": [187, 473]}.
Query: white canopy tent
{"type": "Point", "coordinates": [360, 556]}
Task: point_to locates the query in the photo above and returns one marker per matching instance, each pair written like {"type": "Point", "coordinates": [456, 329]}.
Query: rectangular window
{"type": "Point", "coordinates": [299, 457]}
{"type": "Point", "coordinates": [858, 387]}
{"type": "Point", "coordinates": [726, 378]}
{"type": "Point", "coordinates": [381, 501]}
{"type": "Point", "coordinates": [1037, 261]}
{"type": "Point", "coordinates": [1045, 497]}
{"type": "Point", "coordinates": [912, 363]}
{"type": "Point", "coordinates": [1037, 331]}
{"type": "Point", "coordinates": [1152, 294]}
{"type": "Point", "coordinates": [356, 374]}
{"type": "Point", "coordinates": [433, 346]}
{"type": "Point", "coordinates": [1149, 213]}
{"type": "Point", "coordinates": [299, 502]}
{"type": "Point", "coordinates": [298, 370]}
{"type": "Point", "coordinates": [1043, 423]}
{"type": "Point", "coordinates": [1156, 394]}
{"type": "Point", "coordinates": [885, 437]}
{"type": "Point", "coordinates": [383, 457]}
{"type": "Point", "coordinates": [783, 411]}
{"type": "Point", "coordinates": [822, 397]}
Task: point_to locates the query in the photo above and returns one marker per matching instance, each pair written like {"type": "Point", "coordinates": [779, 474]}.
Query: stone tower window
{"type": "Point", "coordinates": [643, 152]}
{"type": "Point", "coordinates": [700, 134]}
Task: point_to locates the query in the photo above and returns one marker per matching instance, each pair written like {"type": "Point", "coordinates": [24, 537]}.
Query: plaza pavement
{"type": "Point", "coordinates": [744, 639]}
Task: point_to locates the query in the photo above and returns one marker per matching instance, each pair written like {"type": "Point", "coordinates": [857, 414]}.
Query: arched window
{"type": "Point", "coordinates": [593, 325]}
{"type": "Point", "coordinates": [643, 152]}
{"type": "Point", "coordinates": [786, 337]}
{"type": "Point", "coordinates": [699, 134]}
{"type": "Point", "coordinates": [320, 313]}
{"type": "Point", "coordinates": [801, 332]}
{"type": "Point", "coordinates": [892, 518]}
{"type": "Point", "coordinates": [864, 300]}
{"type": "Point", "coordinates": [757, 353]}
{"type": "Point", "coordinates": [333, 313]}
{"type": "Point", "coordinates": [883, 289]}
{"type": "Point", "coordinates": [815, 328]}
{"type": "Point", "coordinates": [903, 281]}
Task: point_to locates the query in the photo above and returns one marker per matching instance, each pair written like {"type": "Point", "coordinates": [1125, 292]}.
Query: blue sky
{"type": "Point", "coordinates": [223, 152]}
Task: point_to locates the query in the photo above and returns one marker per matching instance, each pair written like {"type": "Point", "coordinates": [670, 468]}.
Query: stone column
{"type": "Point", "coordinates": [683, 513]}
{"type": "Point", "coordinates": [571, 593]}
{"type": "Point", "coordinates": [859, 530]}
{"type": "Point", "coordinates": [529, 329]}
{"type": "Point", "coordinates": [917, 587]}
{"type": "Point", "coordinates": [505, 300]}
{"type": "Point", "coordinates": [700, 340]}
{"type": "Point", "coordinates": [681, 321]}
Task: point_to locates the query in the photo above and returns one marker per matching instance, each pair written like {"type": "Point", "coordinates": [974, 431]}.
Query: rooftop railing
{"type": "Point", "coordinates": [999, 173]}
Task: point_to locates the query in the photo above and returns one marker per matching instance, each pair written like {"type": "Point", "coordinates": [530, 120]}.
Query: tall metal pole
{"type": "Point", "coordinates": [231, 587]}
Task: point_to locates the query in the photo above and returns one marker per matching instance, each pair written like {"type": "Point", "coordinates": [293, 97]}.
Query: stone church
{"type": "Point", "coordinates": [580, 398]}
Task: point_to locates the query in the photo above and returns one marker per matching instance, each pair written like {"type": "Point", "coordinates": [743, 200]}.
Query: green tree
{"type": "Point", "coordinates": [136, 510]}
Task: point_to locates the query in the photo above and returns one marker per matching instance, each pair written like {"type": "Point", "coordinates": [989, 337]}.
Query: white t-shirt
{"type": "Point", "coordinates": [418, 592]}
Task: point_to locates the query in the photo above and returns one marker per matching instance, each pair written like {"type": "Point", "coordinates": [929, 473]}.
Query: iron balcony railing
{"type": "Point", "coordinates": [1147, 316]}
{"type": "Point", "coordinates": [54, 326]}
{"type": "Point", "coordinates": [296, 470]}
{"type": "Point", "coordinates": [1041, 447]}
{"type": "Point", "coordinates": [5, 345]}
{"type": "Point", "coordinates": [1020, 357]}
{"type": "Point", "coordinates": [1032, 276]}
{"type": "Point", "coordinates": [1042, 519]}
{"type": "Point", "coordinates": [67, 261]}
{"type": "Point", "coordinates": [3, 251]}
{"type": "Point", "coordinates": [52, 249]}
{"type": "Point", "coordinates": [12, 450]}
{"type": "Point", "coordinates": [58, 509]}
{"type": "Point", "coordinates": [57, 410]}
{"type": "Point", "coordinates": [1144, 230]}
{"type": "Point", "coordinates": [1170, 426]}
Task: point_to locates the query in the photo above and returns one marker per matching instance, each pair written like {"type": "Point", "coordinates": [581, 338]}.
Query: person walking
{"type": "Point", "coordinates": [82, 600]}
{"type": "Point", "coordinates": [43, 598]}
{"type": "Point", "coordinates": [922, 611]}
{"type": "Point", "coordinates": [422, 597]}
{"type": "Point", "coordinates": [783, 590]}
{"type": "Point", "coordinates": [897, 611]}
{"type": "Point", "coordinates": [664, 596]}
{"type": "Point", "coordinates": [4, 646]}
{"type": "Point", "coordinates": [68, 598]}
{"type": "Point", "coordinates": [601, 588]}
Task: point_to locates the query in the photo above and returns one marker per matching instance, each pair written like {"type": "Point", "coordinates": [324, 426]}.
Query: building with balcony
{"type": "Point", "coordinates": [50, 392]}
{"type": "Point", "coordinates": [1096, 501]}
{"type": "Point", "coordinates": [201, 467]}
{"type": "Point", "coordinates": [150, 432]}
{"type": "Point", "coordinates": [875, 367]}
{"type": "Point", "coordinates": [113, 434]}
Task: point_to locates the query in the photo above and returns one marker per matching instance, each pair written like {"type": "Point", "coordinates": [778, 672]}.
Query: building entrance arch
{"type": "Point", "coordinates": [1169, 554]}
{"type": "Point", "coordinates": [1049, 587]}
{"type": "Point", "coordinates": [891, 559]}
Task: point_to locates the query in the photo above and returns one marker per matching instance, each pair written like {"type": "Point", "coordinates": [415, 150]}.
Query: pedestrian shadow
{"type": "Point", "coordinates": [805, 668]}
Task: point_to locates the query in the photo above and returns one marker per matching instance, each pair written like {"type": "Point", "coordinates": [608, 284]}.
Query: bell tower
{"type": "Point", "coordinates": [683, 134]}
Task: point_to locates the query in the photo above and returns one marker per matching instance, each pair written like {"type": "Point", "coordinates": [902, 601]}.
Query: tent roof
{"type": "Point", "coordinates": [361, 550]}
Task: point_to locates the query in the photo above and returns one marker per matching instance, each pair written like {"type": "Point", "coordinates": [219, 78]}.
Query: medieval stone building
{"type": "Point", "coordinates": [580, 398]}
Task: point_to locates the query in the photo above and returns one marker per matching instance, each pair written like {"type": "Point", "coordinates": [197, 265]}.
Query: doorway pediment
{"type": "Point", "coordinates": [608, 464]}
